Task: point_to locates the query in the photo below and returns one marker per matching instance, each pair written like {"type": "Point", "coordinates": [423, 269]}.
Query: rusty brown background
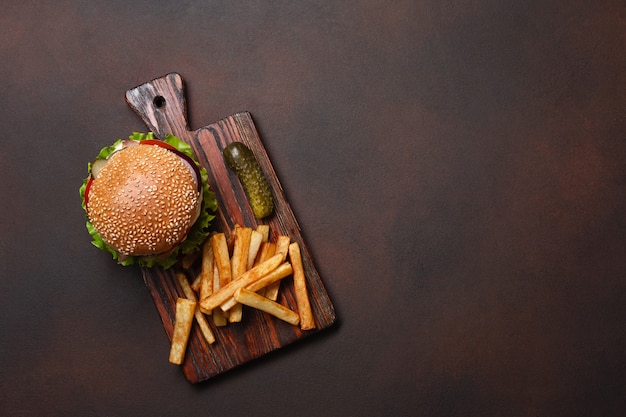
{"type": "Point", "coordinates": [458, 170]}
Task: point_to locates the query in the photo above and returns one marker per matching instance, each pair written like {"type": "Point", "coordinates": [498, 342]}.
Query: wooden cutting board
{"type": "Point", "coordinates": [161, 104]}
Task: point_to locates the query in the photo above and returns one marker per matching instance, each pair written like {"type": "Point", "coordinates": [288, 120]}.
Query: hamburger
{"type": "Point", "coordinates": [147, 201]}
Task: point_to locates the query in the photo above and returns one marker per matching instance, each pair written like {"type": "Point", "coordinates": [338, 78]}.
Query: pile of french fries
{"type": "Point", "coordinates": [244, 270]}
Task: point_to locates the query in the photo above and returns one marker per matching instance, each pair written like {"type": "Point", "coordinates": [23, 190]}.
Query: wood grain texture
{"type": "Point", "coordinates": [160, 103]}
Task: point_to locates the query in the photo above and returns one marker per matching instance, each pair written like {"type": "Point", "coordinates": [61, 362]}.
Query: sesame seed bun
{"type": "Point", "coordinates": [144, 200]}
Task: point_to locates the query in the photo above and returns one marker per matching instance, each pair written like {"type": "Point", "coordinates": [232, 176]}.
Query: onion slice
{"type": "Point", "coordinates": [97, 165]}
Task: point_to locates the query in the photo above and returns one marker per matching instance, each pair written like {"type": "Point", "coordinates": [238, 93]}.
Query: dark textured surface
{"type": "Point", "coordinates": [458, 169]}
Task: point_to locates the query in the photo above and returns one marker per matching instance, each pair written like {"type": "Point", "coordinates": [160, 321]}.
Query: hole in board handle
{"type": "Point", "coordinates": [159, 102]}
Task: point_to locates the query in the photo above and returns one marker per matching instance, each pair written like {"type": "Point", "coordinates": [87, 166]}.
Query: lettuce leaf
{"type": "Point", "coordinates": [197, 234]}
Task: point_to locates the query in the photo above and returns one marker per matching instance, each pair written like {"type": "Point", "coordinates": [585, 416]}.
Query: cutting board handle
{"type": "Point", "coordinates": [160, 103]}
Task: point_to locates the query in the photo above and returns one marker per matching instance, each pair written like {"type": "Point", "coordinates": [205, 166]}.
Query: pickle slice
{"type": "Point", "coordinates": [242, 161]}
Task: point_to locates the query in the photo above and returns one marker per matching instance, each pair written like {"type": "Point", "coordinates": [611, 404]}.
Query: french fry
{"type": "Point", "coordinates": [282, 247]}
{"type": "Point", "coordinates": [239, 264]}
{"type": "Point", "coordinates": [200, 318]}
{"type": "Point", "coordinates": [267, 251]}
{"type": "Point", "coordinates": [206, 273]}
{"type": "Point", "coordinates": [184, 284]}
{"type": "Point", "coordinates": [307, 321]}
{"type": "Point", "coordinates": [271, 291]}
{"type": "Point", "coordinates": [197, 282]}
{"type": "Point", "coordinates": [256, 238]}
{"type": "Point", "coordinates": [264, 229]}
{"type": "Point", "coordinates": [224, 293]}
{"type": "Point", "coordinates": [205, 329]}
{"type": "Point", "coordinates": [259, 302]}
{"type": "Point", "coordinates": [234, 314]}
{"type": "Point", "coordinates": [219, 319]}
{"type": "Point", "coordinates": [284, 270]}
{"type": "Point", "coordinates": [239, 267]}
{"type": "Point", "coordinates": [239, 260]}
{"type": "Point", "coordinates": [185, 311]}
{"type": "Point", "coordinates": [222, 259]}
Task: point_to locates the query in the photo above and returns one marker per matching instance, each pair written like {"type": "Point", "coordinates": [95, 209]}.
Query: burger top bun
{"type": "Point", "coordinates": [144, 200]}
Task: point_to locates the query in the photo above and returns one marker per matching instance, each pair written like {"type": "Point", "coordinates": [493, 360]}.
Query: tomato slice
{"type": "Point", "coordinates": [87, 187]}
{"type": "Point", "coordinates": [159, 143]}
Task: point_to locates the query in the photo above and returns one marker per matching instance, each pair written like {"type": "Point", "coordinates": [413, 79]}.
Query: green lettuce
{"type": "Point", "coordinates": [196, 236]}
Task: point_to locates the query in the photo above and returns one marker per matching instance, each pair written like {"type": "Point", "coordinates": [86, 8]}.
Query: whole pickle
{"type": "Point", "coordinates": [242, 161]}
